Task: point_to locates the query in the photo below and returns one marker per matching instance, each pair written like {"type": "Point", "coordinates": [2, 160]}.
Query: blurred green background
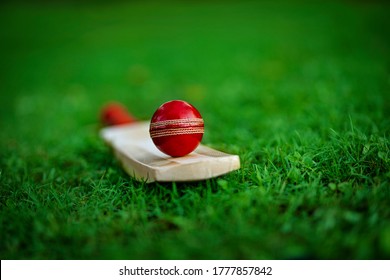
{"type": "Point", "coordinates": [299, 89]}
{"type": "Point", "coordinates": [145, 53]}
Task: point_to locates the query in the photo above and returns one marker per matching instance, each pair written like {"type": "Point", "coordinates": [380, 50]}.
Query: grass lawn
{"type": "Point", "coordinates": [301, 92]}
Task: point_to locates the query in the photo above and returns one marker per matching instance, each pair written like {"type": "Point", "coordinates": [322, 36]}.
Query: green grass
{"type": "Point", "coordinates": [300, 91]}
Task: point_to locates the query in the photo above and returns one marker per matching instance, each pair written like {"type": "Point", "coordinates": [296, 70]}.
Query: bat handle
{"type": "Point", "coordinates": [115, 113]}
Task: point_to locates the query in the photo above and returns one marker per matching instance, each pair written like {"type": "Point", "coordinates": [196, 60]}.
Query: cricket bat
{"type": "Point", "coordinates": [140, 158]}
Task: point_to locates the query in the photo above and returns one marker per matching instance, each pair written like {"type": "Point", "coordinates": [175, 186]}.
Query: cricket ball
{"type": "Point", "coordinates": [176, 128]}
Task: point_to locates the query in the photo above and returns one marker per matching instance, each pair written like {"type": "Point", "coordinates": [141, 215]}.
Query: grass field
{"type": "Point", "coordinates": [301, 92]}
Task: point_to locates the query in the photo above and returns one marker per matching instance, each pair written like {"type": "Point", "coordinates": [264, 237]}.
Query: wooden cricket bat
{"type": "Point", "coordinates": [141, 159]}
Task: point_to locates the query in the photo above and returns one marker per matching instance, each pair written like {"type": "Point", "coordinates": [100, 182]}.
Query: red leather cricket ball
{"type": "Point", "coordinates": [176, 128]}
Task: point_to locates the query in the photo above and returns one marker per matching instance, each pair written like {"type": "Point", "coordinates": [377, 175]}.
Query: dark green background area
{"type": "Point", "coordinates": [299, 90]}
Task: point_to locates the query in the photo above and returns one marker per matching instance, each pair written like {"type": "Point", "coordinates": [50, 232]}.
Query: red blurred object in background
{"type": "Point", "coordinates": [115, 114]}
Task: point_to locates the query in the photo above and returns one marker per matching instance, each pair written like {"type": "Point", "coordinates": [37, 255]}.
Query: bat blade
{"type": "Point", "coordinates": [141, 159]}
